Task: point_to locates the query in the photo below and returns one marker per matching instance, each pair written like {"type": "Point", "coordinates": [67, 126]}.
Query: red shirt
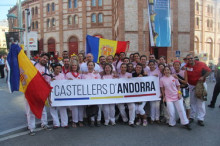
{"type": "Point", "coordinates": [195, 72]}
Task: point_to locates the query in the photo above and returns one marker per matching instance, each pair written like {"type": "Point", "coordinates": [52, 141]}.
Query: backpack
{"type": "Point", "coordinates": [200, 91]}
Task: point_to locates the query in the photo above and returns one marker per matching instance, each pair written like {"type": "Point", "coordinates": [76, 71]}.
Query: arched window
{"type": "Point", "coordinates": [32, 11]}
{"type": "Point", "coordinates": [23, 14]}
{"type": "Point", "coordinates": [53, 7]}
{"type": "Point", "coordinates": [197, 6]}
{"type": "Point", "coordinates": [197, 21]}
{"type": "Point", "coordinates": [75, 3]}
{"type": "Point", "coordinates": [70, 20]}
{"type": "Point", "coordinates": [93, 18]}
{"type": "Point", "coordinates": [196, 45]}
{"type": "Point", "coordinates": [211, 23]}
{"type": "Point", "coordinates": [100, 18]}
{"type": "Point", "coordinates": [32, 25]}
{"type": "Point", "coordinates": [69, 4]}
{"type": "Point", "coordinates": [48, 23]}
{"type": "Point", "coordinates": [100, 3]}
{"type": "Point", "coordinates": [208, 9]}
{"type": "Point", "coordinates": [208, 23]}
{"type": "Point", "coordinates": [75, 20]}
{"type": "Point", "coordinates": [36, 24]}
{"type": "Point", "coordinates": [209, 48]}
{"type": "Point", "coordinates": [36, 10]}
{"type": "Point", "coordinates": [211, 9]}
{"type": "Point", "coordinates": [93, 3]}
{"type": "Point", "coordinates": [48, 7]}
{"type": "Point", "coordinates": [53, 22]}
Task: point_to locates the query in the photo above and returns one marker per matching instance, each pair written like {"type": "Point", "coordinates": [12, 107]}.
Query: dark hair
{"type": "Point", "coordinates": [107, 64]}
{"type": "Point", "coordinates": [54, 65]}
{"type": "Point", "coordinates": [126, 58]}
{"type": "Point", "coordinates": [165, 68]}
{"type": "Point", "coordinates": [101, 56]}
{"type": "Point", "coordinates": [45, 54]}
{"type": "Point", "coordinates": [65, 58]}
{"type": "Point", "coordinates": [124, 64]}
{"type": "Point", "coordinates": [142, 70]}
{"type": "Point", "coordinates": [153, 61]}
{"type": "Point", "coordinates": [161, 64]}
{"type": "Point", "coordinates": [89, 62]}
{"type": "Point", "coordinates": [143, 56]}
{"type": "Point", "coordinates": [137, 54]}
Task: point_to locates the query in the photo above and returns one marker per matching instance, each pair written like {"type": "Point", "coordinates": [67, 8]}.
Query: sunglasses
{"type": "Point", "coordinates": [189, 58]}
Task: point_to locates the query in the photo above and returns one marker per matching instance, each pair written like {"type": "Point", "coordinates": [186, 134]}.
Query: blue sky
{"type": "Point", "coordinates": [5, 5]}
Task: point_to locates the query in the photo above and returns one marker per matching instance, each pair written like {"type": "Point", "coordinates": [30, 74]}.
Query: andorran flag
{"type": "Point", "coordinates": [103, 47]}
{"type": "Point", "coordinates": [24, 77]}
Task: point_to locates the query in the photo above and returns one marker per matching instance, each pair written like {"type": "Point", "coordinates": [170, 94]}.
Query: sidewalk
{"type": "Point", "coordinates": [12, 110]}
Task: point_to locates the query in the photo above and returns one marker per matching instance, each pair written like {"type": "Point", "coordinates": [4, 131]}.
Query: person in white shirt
{"type": "Point", "coordinates": [84, 67]}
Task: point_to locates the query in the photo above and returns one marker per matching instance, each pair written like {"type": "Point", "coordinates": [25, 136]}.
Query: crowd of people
{"type": "Point", "coordinates": [182, 85]}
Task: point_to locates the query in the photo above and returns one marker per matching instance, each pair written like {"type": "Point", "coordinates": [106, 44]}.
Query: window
{"type": "Point", "coordinates": [36, 24]}
{"type": "Point", "coordinates": [75, 3]}
{"type": "Point", "coordinates": [32, 11]}
{"type": "Point", "coordinates": [69, 4]}
{"type": "Point", "coordinates": [197, 6]}
{"type": "Point", "coordinates": [100, 3]}
{"type": "Point", "coordinates": [69, 19]}
{"type": "Point", "coordinates": [32, 25]}
{"type": "Point", "coordinates": [36, 10]}
{"type": "Point", "coordinates": [48, 7]}
{"type": "Point", "coordinates": [93, 3]}
{"type": "Point", "coordinates": [211, 11]}
{"type": "Point", "coordinates": [100, 16]}
{"type": "Point", "coordinates": [48, 23]}
{"type": "Point", "coordinates": [208, 23]}
{"type": "Point", "coordinates": [53, 7]}
{"type": "Point", "coordinates": [93, 18]}
{"type": "Point", "coordinates": [75, 20]}
{"type": "Point", "coordinates": [208, 9]}
{"type": "Point", "coordinates": [211, 23]}
{"type": "Point", "coordinates": [53, 21]}
{"type": "Point", "coordinates": [197, 21]}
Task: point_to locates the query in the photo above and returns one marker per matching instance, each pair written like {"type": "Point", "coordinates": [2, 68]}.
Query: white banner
{"type": "Point", "coordinates": [104, 91]}
{"type": "Point", "coordinates": [32, 41]}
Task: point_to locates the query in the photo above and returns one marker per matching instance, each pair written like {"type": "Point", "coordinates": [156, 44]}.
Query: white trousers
{"type": "Point", "coordinates": [109, 112]}
{"type": "Point", "coordinates": [99, 117]}
{"type": "Point", "coordinates": [77, 113]}
{"type": "Point", "coordinates": [131, 108]}
{"type": "Point", "coordinates": [31, 117]}
{"type": "Point", "coordinates": [63, 116]}
{"type": "Point", "coordinates": [197, 105]}
{"type": "Point", "coordinates": [181, 112]}
{"type": "Point", "coordinates": [139, 108]}
{"type": "Point", "coordinates": [155, 110]}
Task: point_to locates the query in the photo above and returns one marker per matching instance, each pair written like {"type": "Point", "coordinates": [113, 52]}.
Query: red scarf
{"type": "Point", "coordinates": [65, 72]}
{"type": "Point", "coordinates": [75, 75]}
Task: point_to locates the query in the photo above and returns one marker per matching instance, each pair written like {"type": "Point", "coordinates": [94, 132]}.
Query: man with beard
{"type": "Point", "coordinates": [66, 65]}
{"type": "Point", "coordinates": [196, 71]}
{"type": "Point", "coordinates": [41, 67]}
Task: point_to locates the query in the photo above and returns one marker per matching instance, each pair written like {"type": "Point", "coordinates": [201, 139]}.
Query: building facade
{"type": "Point", "coordinates": [3, 29]}
{"type": "Point", "coordinates": [64, 24]}
{"type": "Point", "coordinates": [207, 29]}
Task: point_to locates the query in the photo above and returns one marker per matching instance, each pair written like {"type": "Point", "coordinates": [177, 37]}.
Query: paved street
{"type": "Point", "coordinates": [12, 116]}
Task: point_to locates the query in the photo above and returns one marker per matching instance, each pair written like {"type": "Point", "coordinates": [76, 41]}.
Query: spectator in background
{"type": "Point", "coordinates": [217, 86]}
{"type": "Point", "coordinates": [2, 66]}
